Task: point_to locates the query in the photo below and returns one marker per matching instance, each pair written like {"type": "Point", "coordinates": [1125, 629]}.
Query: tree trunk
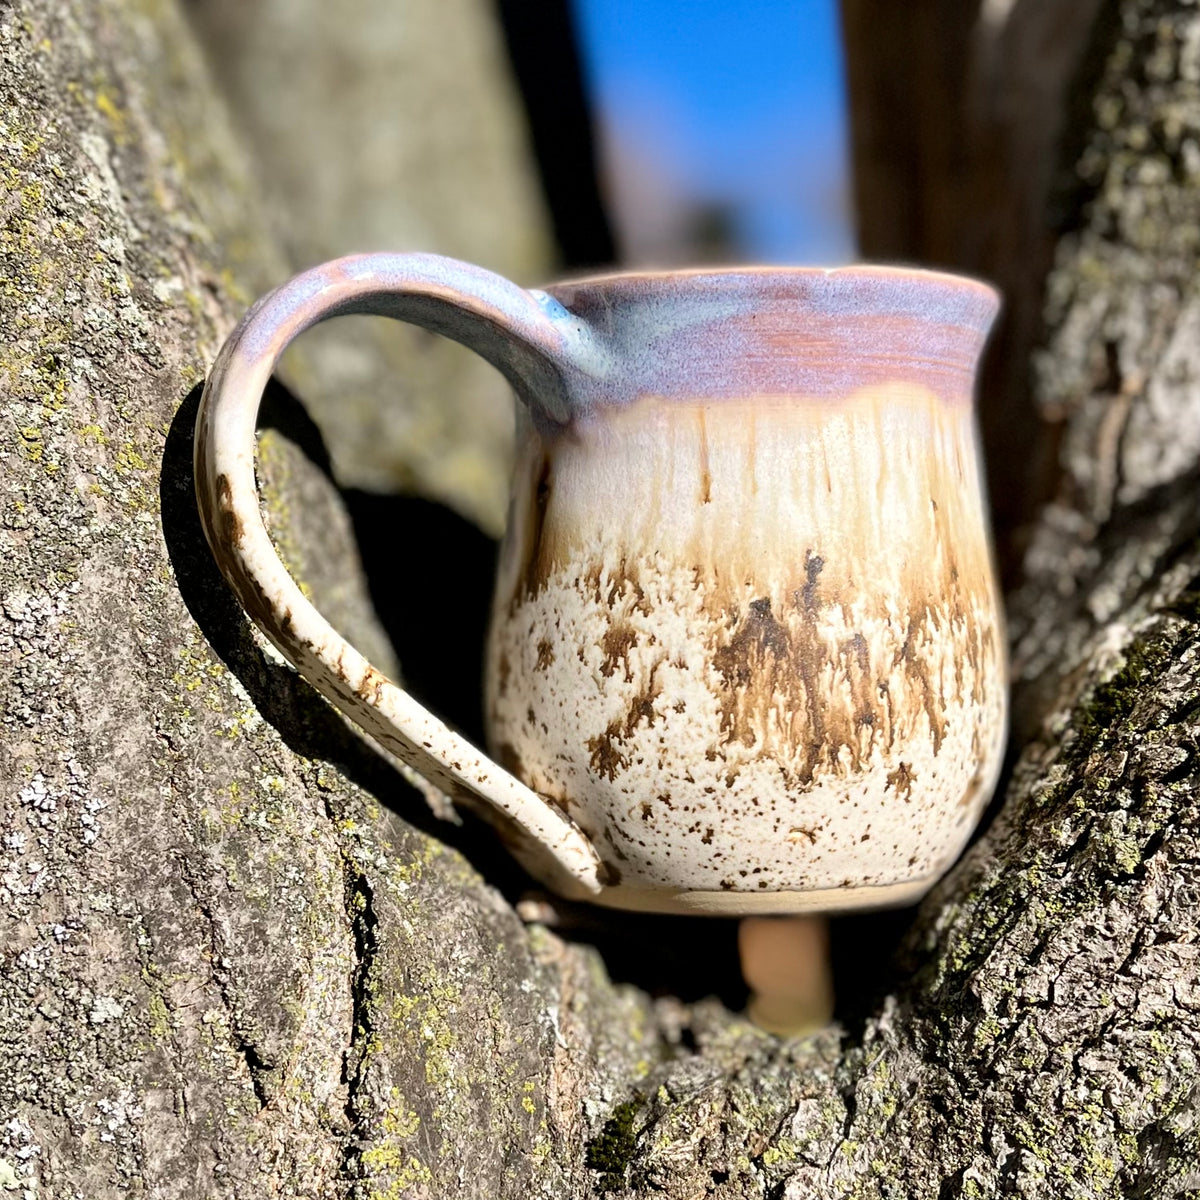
{"type": "Point", "coordinates": [967, 118]}
{"type": "Point", "coordinates": [240, 959]}
{"type": "Point", "coordinates": [376, 125]}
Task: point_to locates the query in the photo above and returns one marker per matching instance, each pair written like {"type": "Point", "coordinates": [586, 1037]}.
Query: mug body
{"type": "Point", "coordinates": [746, 632]}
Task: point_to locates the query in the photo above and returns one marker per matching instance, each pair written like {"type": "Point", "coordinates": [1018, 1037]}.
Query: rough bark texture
{"type": "Point", "coordinates": [238, 959]}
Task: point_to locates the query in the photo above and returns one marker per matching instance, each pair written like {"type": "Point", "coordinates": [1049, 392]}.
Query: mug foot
{"type": "Point", "coordinates": [786, 966]}
{"type": "Point", "coordinates": [737, 904]}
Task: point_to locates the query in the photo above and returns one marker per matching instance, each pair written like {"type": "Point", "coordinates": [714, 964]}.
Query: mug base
{"type": "Point", "coordinates": [739, 904]}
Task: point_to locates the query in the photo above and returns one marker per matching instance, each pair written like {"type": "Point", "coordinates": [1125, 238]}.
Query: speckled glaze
{"type": "Point", "coordinates": [746, 650]}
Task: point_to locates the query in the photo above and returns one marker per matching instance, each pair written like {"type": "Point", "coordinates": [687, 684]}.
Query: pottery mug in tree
{"type": "Point", "coordinates": [746, 651]}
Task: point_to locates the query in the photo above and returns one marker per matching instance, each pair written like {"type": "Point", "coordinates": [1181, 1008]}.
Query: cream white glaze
{"type": "Point", "coordinates": [753, 646]}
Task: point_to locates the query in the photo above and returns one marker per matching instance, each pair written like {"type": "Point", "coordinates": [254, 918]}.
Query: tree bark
{"type": "Point", "coordinates": [240, 959]}
{"type": "Point", "coordinates": [374, 125]}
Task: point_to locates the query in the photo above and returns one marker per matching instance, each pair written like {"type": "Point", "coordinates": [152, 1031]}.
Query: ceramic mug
{"type": "Point", "coordinates": [746, 652]}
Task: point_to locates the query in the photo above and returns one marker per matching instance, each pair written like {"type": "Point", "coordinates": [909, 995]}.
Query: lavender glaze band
{"type": "Point", "coordinates": [745, 620]}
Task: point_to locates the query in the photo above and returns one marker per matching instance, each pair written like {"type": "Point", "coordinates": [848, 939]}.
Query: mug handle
{"type": "Point", "coordinates": [540, 347]}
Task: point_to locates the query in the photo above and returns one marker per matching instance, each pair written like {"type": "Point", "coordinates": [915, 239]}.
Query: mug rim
{"type": "Point", "coordinates": [881, 272]}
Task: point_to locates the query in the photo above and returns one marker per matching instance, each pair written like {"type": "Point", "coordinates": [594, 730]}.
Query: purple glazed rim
{"type": "Point", "coordinates": [816, 331]}
{"type": "Point", "coordinates": [892, 272]}
{"type": "Point", "coordinates": [858, 289]}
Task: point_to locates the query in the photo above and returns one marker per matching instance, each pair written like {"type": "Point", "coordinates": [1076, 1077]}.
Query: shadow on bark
{"type": "Point", "coordinates": [309, 726]}
{"type": "Point", "coordinates": [438, 631]}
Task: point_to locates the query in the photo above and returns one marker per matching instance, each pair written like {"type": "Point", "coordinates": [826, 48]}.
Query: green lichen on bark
{"type": "Point", "coordinates": [210, 926]}
{"type": "Point", "coordinates": [612, 1149]}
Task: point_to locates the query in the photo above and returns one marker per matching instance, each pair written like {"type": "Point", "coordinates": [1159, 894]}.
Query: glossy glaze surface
{"type": "Point", "coordinates": [747, 653]}
{"type": "Point", "coordinates": [752, 645]}
{"type": "Point", "coordinates": [745, 633]}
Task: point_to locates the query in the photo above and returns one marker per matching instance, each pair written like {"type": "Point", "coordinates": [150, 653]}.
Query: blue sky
{"type": "Point", "coordinates": [737, 103]}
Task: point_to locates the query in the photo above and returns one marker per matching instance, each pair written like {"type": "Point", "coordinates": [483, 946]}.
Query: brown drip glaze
{"type": "Point", "coordinates": [842, 647]}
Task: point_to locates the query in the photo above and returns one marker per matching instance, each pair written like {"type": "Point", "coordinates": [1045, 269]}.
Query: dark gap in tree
{"type": "Point", "coordinates": [863, 948]}
{"type": "Point", "coordinates": [430, 574]}
{"type": "Point", "coordinates": [544, 51]}
{"type": "Point", "coordinates": [1070, 191]}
